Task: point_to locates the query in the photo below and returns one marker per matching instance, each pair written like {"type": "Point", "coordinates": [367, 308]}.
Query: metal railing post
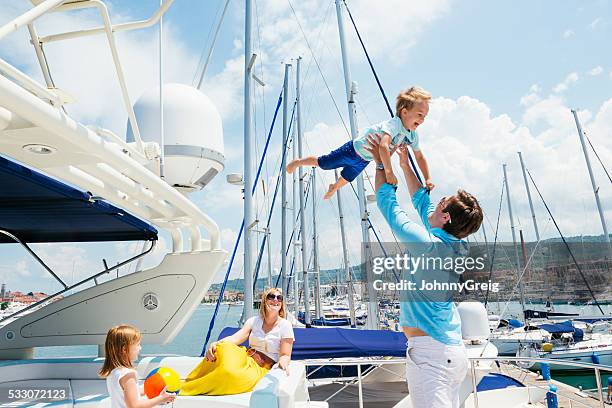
{"type": "Point", "coordinates": [599, 388]}
{"type": "Point", "coordinates": [474, 385]}
{"type": "Point", "coordinates": [361, 386]}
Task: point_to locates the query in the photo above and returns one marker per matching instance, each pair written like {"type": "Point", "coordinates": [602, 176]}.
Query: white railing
{"type": "Point", "coordinates": [380, 363]}
{"type": "Point", "coordinates": [116, 170]}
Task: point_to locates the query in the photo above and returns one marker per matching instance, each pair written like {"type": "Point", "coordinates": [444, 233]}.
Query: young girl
{"type": "Point", "coordinates": [122, 346]}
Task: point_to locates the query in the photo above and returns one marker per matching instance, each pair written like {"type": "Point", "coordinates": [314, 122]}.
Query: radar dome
{"type": "Point", "coordinates": [193, 134]}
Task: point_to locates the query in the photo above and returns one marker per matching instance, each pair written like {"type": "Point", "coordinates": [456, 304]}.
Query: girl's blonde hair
{"type": "Point", "coordinates": [117, 346]}
{"type": "Point", "coordinates": [262, 307]}
{"type": "Point", "coordinates": [408, 97]}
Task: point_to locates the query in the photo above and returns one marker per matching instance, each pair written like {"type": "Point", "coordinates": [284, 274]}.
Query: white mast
{"type": "Point", "coordinates": [516, 253]}
{"type": "Point", "coordinates": [347, 269]}
{"type": "Point", "coordinates": [365, 235]}
{"type": "Point", "coordinates": [595, 188]}
{"type": "Point", "coordinates": [301, 174]}
{"type": "Point", "coordinates": [533, 217]}
{"type": "Point", "coordinates": [296, 243]}
{"type": "Point", "coordinates": [315, 247]}
{"type": "Point", "coordinates": [283, 279]}
{"type": "Point", "coordinates": [249, 221]}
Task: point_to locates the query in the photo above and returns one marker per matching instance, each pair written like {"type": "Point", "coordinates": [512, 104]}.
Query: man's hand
{"type": "Point", "coordinates": [373, 145]}
{"type": "Point", "coordinates": [391, 179]}
{"type": "Point", "coordinates": [429, 184]}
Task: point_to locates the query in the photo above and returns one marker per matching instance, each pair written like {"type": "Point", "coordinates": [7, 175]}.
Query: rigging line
{"type": "Point", "coordinates": [566, 244]}
{"type": "Point", "coordinates": [523, 271]}
{"type": "Point", "coordinates": [314, 95]}
{"type": "Point", "coordinates": [212, 45]}
{"type": "Point", "coordinates": [380, 87]}
{"type": "Point", "coordinates": [229, 267]}
{"type": "Point", "coordinates": [318, 66]}
{"type": "Point", "coordinates": [492, 260]}
{"type": "Point", "coordinates": [416, 172]}
{"type": "Point", "coordinates": [507, 304]}
{"type": "Point", "coordinates": [598, 158]}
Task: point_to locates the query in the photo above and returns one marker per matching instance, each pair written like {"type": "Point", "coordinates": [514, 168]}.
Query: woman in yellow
{"type": "Point", "coordinates": [231, 369]}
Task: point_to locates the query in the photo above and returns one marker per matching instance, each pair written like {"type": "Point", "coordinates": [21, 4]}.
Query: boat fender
{"type": "Point", "coordinates": [547, 347]}
{"type": "Point", "coordinates": [595, 358]}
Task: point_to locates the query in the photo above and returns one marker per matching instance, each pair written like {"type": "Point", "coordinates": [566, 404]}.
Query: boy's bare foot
{"type": "Point", "coordinates": [330, 192]}
{"type": "Point", "coordinates": [292, 166]}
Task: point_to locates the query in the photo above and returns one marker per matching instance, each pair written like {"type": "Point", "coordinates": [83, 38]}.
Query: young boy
{"type": "Point", "coordinates": [412, 106]}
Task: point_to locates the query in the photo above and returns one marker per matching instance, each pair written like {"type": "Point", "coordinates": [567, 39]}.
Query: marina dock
{"type": "Point", "coordinates": [567, 396]}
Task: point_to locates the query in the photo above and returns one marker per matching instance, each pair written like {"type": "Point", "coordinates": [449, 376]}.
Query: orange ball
{"type": "Point", "coordinates": [158, 379]}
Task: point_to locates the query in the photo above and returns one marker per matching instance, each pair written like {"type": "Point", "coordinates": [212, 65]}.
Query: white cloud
{"type": "Point", "coordinates": [568, 33]}
{"type": "Point", "coordinates": [569, 80]}
{"type": "Point", "coordinates": [596, 71]}
{"type": "Point", "coordinates": [593, 25]}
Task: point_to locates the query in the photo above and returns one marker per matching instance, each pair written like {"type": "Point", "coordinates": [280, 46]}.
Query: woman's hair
{"type": "Point", "coordinates": [408, 97]}
{"type": "Point", "coordinates": [465, 214]}
{"type": "Point", "coordinates": [262, 308]}
{"type": "Point", "coordinates": [117, 347]}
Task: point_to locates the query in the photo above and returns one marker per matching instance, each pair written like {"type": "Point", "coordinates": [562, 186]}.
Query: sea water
{"type": "Point", "coordinates": [190, 340]}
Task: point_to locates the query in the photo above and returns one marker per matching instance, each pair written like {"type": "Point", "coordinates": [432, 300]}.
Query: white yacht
{"type": "Point", "coordinates": [66, 181]}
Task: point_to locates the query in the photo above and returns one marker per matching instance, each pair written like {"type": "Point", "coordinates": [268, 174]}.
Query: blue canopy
{"type": "Point", "coordinates": [496, 381]}
{"type": "Point", "coordinates": [337, 342]}
{"type": "Point", "coordinates": [563, 327]}
{"type": "Point", "coordinates": [37, 208]}
{"type": "Point", "coordinates": [515, 323]}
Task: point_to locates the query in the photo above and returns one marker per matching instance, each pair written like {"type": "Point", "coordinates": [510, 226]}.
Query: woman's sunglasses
{"type": "Point", "coordinates": [272, 297]}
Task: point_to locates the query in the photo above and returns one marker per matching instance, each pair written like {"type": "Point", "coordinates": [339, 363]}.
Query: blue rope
{"type": "Point", "coordinates": [229, 267]}
{"type": "Point", "coordinates": [263, 155]}
{"type": "Point", "coordinates": [278, 179]}
{"type": "Point", "coordinates": [380, 87]}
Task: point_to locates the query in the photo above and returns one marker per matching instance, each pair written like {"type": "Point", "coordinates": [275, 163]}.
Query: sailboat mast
{"type": "Point", "coordinates": [363, 210]}
{"type": "Point", "coordinates": [533, 217]}
{"type": "Point", "coordinates": [302, 194]}
{"type": "Point", "coordinates": [249, 59]}
{"type": "Point", "coordinates": [315, 247]}
{"type": "Point", "coordinates": [283, 278]}
{"type": "Point", "coordinates": [294, 214]}
{"type": "Point", "coordinates": [347, 269]}
{"type": "Point", "coordinates": [595, 188]}
{"type": "Point", "coordinates": [516, 252]}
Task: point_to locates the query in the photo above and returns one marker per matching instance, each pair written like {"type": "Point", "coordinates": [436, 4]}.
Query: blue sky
{"type": "Point", "coordinates": [503, 76]}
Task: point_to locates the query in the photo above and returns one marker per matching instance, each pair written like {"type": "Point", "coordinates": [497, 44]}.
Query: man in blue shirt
{"type": "Point", "coordinates": [436, 360]}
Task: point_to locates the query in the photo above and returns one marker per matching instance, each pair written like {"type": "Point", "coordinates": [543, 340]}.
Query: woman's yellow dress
{"type": "Point", "coordinates": [233, 372]}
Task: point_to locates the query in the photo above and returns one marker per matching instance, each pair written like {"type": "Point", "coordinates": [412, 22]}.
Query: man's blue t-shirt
{"type": "Point", "coordinates": [439, 319]}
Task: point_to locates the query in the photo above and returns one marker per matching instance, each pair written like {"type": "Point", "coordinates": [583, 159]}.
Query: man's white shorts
{"type": "Point", "coordinates": [434, 372]}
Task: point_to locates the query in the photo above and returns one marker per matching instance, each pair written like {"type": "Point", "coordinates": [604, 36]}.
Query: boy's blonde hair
{"type": "Point", "coordinates": [408, 97]}
{"type": "Point", "coordinates": [117, 347]}
{"type": "Point", "coordinates": [262, 307]}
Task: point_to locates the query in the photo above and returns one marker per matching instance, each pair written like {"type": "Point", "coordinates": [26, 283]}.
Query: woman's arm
{"type": "Point", "coordinates": [284, 354]}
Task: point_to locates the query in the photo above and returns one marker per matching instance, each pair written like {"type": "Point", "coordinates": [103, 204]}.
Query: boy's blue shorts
{"type": "Point", "coordinates": [346, 157]}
